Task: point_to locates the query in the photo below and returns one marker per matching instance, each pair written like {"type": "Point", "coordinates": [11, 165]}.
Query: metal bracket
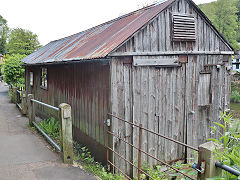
{"type": "Point", "coordinates": [107, 122]}
{"type": "Point", "coordinates": [195, 167]}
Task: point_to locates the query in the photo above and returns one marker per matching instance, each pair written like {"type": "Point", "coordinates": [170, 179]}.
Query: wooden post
{"type": "Point", "coordinates": [139, 152]}
{"type": "Point", "coordinates": [31, 109]}
{"type": "Point", "coordinates": [24, 103]}
{"type": "Point", "coordinates": [66, 132]}
{"type": "Point", "coordinates": [206, 158]}
{"type": "Point", "coordinates": [14, 95]}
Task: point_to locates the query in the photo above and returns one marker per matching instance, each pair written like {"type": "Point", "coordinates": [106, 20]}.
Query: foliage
{"type": "Point", "coordinates": [161, 172]}
{"type": "Point", "coordinates": [235, 93]}
{"type": "Point", "coordinates": [22, 41]}
{"type": "Point", "coordinates": [230, 140]}
{"type": "Point", "coordinates": [10, 95]}
{"type": "Point", "coordinates": [235, 97]}
{"type": "Point", "coordinates": [50, 127]}
{"type": "Point", "coordinates": [3, 34]}
{"type": "Point", "coordinates": [224, 15]}
{"type": "Point", "coordinates": [83, 156]}
{"type": "Point", "coordinates": [13, 71]}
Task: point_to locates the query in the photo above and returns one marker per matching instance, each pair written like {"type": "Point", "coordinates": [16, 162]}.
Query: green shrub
{"type": "Point", "coordinates": [13, 70]}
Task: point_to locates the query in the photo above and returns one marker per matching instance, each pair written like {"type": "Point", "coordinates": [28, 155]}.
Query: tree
{"type": "Point", "coordinates": [238, 14]}
{"type": "Point", "coordinates": [13, 70]}
{"type": "Point", "coordinates": [22, 41]}
{"type": "Point", "coordinates": [223, 14]}
{"type": "Point", "coordinates": [3, 34]}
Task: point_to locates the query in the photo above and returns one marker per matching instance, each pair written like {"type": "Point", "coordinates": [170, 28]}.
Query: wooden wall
{"type": "Point", "coordinates": [166, 100]}
{"type": "Point", "coordinates": [85, 86]}
{"type": "Point", "coordinates": [151, 96]}
{"type": "Point", "coordinates": [169, 100]}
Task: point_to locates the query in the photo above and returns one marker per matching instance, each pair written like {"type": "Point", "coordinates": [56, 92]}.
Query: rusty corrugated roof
{"type": "Point", "coordinates": [96, 42]}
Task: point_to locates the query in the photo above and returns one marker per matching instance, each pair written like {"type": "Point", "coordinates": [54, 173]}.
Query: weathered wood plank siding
{"type": "Point", "coordinates": [151, 96]}
{"type": "Point", "coordinates": [169, 100]}
{"type": "Point", "coordinates": [166, 100]}
{"type": "Point", "coordinates": [156, 35]}
{"type": "Point", "coordinates": [85, 86]}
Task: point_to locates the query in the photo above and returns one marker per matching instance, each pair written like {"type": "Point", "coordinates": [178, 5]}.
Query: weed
{"type": "Point", "coordinates": [230, 139]}
{"type": "Point", "coordinates": [50, 127]}
{"type": "Point", "coordinates": [162, 172]}
{"type": "Point", "coordinates": [83, 156]}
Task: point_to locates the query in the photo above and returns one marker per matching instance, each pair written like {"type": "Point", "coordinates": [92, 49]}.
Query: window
{"type": "Point", "coordinates": [183, 27]}
{"type": "Point", "coordinates": [237, 66]}
{"type": "Point", "coordinates": [31, 78]}
{"type": "Point", "coordinates": [44, 78]}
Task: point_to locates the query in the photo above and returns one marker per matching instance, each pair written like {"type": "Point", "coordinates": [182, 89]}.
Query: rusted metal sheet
{"type": "Point", "coordinates": [85, 86]}
{"type": "Point", "coordinates": [98, 41]}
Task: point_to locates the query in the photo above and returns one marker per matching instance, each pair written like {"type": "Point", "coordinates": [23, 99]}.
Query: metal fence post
{"type": "Point", "coordinates": [66, 133]}
{"type": "Point", "coordinates": [14, 95]}
{"type": "Point", "coordinates": [108, 143]}
{"type": "Point", "coordinates": [31, 109]}
{"type": "Point", "coordinates": [139, 152]}
{"type": "Point", "coordinates": [24, 103]}
{"type": "Point", "coordinates": [206, 158]}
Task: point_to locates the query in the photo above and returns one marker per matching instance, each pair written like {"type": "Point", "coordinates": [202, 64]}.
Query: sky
{"type": "Point", "coordinates": [55, 19]}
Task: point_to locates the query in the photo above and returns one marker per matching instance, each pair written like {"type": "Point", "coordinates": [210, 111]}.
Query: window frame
{"type": "Point", "coordinates": [44, 78]}
{"type": "Point", "coordinates": [31, 78]}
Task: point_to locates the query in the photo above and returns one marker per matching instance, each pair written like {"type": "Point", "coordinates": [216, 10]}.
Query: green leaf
{"type": "Point", "coordinates": [222, 126]}
{"type": "Point", "coordinates": [211, 139]}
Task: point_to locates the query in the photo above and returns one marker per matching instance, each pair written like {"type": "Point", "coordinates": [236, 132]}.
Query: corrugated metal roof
{"type": "Point", "coordinates": [98, 41]}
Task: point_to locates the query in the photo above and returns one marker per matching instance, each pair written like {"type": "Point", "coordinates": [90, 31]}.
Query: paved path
{"type": "Point", "coordinates": [25, 155]}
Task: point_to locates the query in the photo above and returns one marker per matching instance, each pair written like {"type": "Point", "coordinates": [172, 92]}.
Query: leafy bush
{"type": "Point", "coordinates": [13, 71]}
{"type": "Point", "coordinates": [230, 139]}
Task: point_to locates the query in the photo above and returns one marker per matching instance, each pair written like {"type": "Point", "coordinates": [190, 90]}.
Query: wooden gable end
{"type": "Point", "coordinates": [157, 35]}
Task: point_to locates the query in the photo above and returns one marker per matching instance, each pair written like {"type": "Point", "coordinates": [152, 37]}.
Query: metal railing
{"type": "Point", "coordinates": [139, 148]}
{"type": "Point", "coordinates": [227, 168]}
{"type": "Point", "coordinates": [42, 131]}
{"type": "Point", "coordinates": [44, 104]}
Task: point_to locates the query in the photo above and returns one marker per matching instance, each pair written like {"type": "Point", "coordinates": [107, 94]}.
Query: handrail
{"type": "Point", "coordinates": [165, 137]}
{"type": "Point", "coordinates": [47, 137]}
{"type": "Point", "coordinates": [44, 104]}
{"type": "Point", "coordinates": [227, 168]}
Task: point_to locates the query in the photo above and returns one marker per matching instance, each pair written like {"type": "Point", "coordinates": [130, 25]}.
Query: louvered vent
{"type": "Point", "coordinates": [183, 27]}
